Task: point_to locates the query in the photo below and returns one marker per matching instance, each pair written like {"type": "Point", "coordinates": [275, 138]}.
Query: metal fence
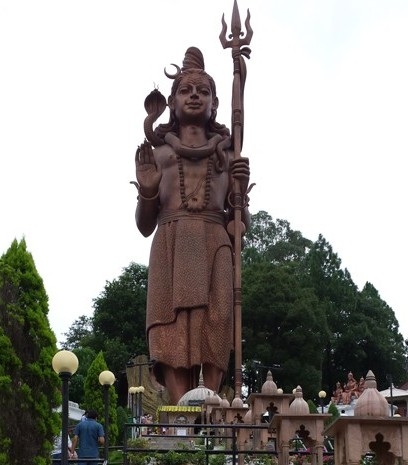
{"type": "Point", "coordinates": [142, 440]}
{"type": "Point", "coordinates": [213, 440]}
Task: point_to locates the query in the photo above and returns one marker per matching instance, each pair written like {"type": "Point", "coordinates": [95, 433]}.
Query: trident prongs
{"type": "Point", "coordinates": [237, 37]}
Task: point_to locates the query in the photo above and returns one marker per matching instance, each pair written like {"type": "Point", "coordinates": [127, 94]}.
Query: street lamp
{"type": "Point", "coordinates": [136, 407]}
{"type": "Point", "coordinates": [65, 363]}
{"type": "Point", "coordinates": [139, 392]}
{"type": "Point", "coordinates": [322, 396]}
{"type": "Point", "coordinates": [132, 392]}
{"type": "Point", "coordinates": [106, 379]}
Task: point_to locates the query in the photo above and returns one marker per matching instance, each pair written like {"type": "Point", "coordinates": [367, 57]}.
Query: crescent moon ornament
{"type": "Point", "coordinates": [174, 75]}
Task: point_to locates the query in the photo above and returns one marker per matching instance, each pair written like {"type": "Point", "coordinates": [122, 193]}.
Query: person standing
{"type": "Point", "coordinates": [90, 435]}
{"type": "Point", "coordinates": [57, 449]}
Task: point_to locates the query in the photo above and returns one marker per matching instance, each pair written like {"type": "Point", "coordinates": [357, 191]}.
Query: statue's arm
{"type": "Point", "coordinates": [239, 171]}
{"type": "Point", "coordinates": [148, 176]}
{"type": "Point", "coordinates": [146, 214]}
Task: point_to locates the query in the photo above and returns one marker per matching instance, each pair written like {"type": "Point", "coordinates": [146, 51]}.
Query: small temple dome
{"type": "Point", "coordinates": [224, 401]}
{"type": "Point", "coordinates": [371, 402]}
{"type": "Point", "coordinates": [213, 399]}
{"type": "Point", "coordinates": [199, 395]}
{"type": "Point", "coordinates": [237, 402]}
{"type": "Point", "coordinates": [299, 405]}
{"type": "Point", "coordinates": [248, 416]}
{"type": "Point", "coordinates": [269, 386]}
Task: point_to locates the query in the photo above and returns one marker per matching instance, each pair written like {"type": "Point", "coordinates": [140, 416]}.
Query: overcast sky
{"type": "Point", "coordinates": [326, 118]}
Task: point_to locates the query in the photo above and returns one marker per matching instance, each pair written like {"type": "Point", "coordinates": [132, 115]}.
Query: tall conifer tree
{"type": "Point", "coordinates": [94, 398]}
{"type": "Point", "coordinates": [29, 388]}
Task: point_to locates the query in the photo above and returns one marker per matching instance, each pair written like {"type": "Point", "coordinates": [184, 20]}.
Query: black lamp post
{"type": "Point", "coordinates": [322, 396]}
{"type": "Point", "coordinates": [106, 379]}
{"type": "Point", "coordinates": [140, 391]}
{"type": "Point", "coordinates": [132, 392]}
{"type": "Point", "coordinates": [65, 363]}
{"type": "Point", "coordinates": [271, 368]}
{"type": "Point", "coordinates": [389, 379]}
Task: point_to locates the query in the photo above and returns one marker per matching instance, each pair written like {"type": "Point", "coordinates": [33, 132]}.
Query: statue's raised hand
{"type": "Point", "coordinates": [148, 175]}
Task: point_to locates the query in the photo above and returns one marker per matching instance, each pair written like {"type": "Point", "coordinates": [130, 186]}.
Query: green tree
{"type": "Point", "coordinates": [273, 241]}
{"type": "Point", "coordinates": [337, 295]}
{"type": "Point", "coordinates": [85, 357]}
{"type": "Point", "coordinates": [363, 328]}
{"type": "Point", "coordinates": [78, 334]}
{"type": "Point", "coordinates": [118, 324]}
{"type": "Point", "coordinates": [294, 288]}
{"type": "Point", "coordinates": [371, 340]}
{"type": "Point", "coordinates": [312, 406]}
{"type": "Point", "coordinates": [29, 388]}
{"type": "Point", "coordinates": [283, 323]}
{"type": "Point", "coordinates": [123, 417]}
{"type": "Point", "coordinates": [94, 397]}
{"type": "Point", "coordinates": [283, 320]}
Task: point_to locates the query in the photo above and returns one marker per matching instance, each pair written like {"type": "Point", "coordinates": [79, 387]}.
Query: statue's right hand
{"type": "Point", "coordinates": [148, 174]}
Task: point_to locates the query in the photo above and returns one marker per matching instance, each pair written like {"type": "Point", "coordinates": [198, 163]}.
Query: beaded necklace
{"type": "Point", "coordinates": [190, 202]}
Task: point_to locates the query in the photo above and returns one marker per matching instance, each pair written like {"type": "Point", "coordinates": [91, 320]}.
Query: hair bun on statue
{"type": "Point", "coordinates": [193, 59]}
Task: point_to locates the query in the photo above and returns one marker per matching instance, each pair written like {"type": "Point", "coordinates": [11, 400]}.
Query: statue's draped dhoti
{"type": "Point", "coordinates": [190, 292]}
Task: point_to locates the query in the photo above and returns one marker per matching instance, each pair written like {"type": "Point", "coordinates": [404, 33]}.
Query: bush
{"type": "Point", "coordinates": [139, 457]}
{"type": "Point", "coordinates": [335, 414]}
{"type": "Point", "coordinates": [218, 459]}
{"type": "Point", "coordinates": [116, 456]}
{"type": "Point", "coordinates": [312, 406]}
{"type": "Point", "coordinates": [177, 458]}
{"type": "Point", "coordinates": [263, 459]}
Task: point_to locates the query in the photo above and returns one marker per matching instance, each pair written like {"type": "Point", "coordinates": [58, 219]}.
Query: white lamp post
{"type": "Point", "coordinates": [106, 379]}
{"type": "Point", "coordinates": [65, 363]}
{"type": "Point", "coordinates": [322, 396]}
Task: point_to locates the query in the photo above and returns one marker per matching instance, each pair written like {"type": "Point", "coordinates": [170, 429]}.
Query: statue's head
{"type": "Point", "coordinates": [193, 67]}
{"type": "Point", "coordinates": [193, 63]}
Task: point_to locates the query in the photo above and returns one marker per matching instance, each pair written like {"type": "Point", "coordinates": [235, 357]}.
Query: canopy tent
{"type": "Point", "coordinates": [395, 393]}
{"type": "Point", "coordinates": [398, 397]}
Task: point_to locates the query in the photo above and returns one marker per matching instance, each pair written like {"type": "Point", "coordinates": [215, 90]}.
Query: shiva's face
{"type": "Point", "coordinates": [193, 101]}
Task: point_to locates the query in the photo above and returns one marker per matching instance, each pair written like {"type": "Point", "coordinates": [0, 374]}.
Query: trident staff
{"type": "Point", "coordinates": [238, 42]}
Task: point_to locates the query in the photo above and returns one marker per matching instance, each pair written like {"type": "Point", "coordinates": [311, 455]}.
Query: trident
{"type": "Point", "coordinates": [238, 43]}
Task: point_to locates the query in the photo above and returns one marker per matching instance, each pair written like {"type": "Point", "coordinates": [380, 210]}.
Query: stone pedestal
{"type": "Point", "coordinates": [260, 404]}
{"type": "Point", "coordinates": [308, 428]}
{"type": "Point", "coordinates": [354, 437]}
